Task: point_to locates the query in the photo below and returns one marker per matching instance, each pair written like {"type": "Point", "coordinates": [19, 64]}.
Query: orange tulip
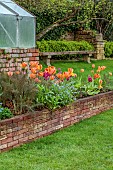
{"type": "Point", "coordinates": [32, 76]}
{"type": "Point", "coordinates": [17, 72]}
{"type": "Point", "coordinates": [100, 82]}
{"type": "Point", "coordinates": [82, 70]}
{"type": "Point", "coordinates": [33, 63]}
{"type": "Point", "coordinates": [96, 75]}
{"type": "Point", "coordinates": [33, 70]}
{"type": "Point", "coordinates": [51, 70]}
{"type": "Point", "coordinates": [66, 75]}
{"type": "Point", "coordinates": [103, 67]}
{"type": "Point", "coordinates": [70, 70]}
{"type": "Point", "coordinates": [40, 74]}
{"type": "Point", "coordinates": [99, 69]}
{"type": "Point", "coordinates": [39, 67]}
{"type": "Point", "coordinates": [52, 77]}
{"type": "Point", "coordinates": [93, 65]}
{"type": "Point", "coordinates": [23, 65]}
{"type": "Point", "coordinates": [59, 75]}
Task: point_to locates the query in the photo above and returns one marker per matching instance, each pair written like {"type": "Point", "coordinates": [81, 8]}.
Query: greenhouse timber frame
{"type": "Point", "coordinates": [17, 26]}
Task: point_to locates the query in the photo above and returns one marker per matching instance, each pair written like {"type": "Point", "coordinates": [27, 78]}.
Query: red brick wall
{"type": "Point", "coordinates": [10, 59]}
{"type": "Point", "coordinates": [25, 128]}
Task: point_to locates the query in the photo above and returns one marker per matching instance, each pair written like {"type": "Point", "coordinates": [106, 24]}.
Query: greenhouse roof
{"type": "Point", "coordinates": [8, 7]}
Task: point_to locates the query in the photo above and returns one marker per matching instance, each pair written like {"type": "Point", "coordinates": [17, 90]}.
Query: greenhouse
{"type": "Point", "coordinates": [17, 26]}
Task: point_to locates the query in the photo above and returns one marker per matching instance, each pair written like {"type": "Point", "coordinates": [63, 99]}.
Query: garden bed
{"type": "Point", "coordinates": [28, 127]}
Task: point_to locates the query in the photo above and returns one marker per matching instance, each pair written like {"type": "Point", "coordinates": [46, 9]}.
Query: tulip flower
{"type": "Point", "coordinates": [17, 72]}
{"type": "Point", "coordinates": [10, 73]}
{"type": "Point", "coordinates": [40, 74]}
{"type": "Point", "coordinates": [23, 65]}
{"type": "Point", "coordinates": [34, 70]}
{"type": "Point", "coordinates": [52, 77]}
{"type": "Point", "coordinates": [37, 80]}
{"type": "Point", "coordinates": [32, 76]}
{"type": "Point", "coordinates": [100, 82]}
{"type": "Point", "coordinates": [93, 65]}
{"type": "Point", "coordinates": [82, 70]}
{"type": "Point", "coordinates": [96, 75]}
{"type": "Point", "coordinates": [33, 64]}
{"type": "Point", "coordinates": [90, 79]}
{"type": "Point", "coordinates": [110, 73]}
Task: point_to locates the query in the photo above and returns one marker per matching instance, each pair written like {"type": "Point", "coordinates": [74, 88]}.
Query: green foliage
{"type": "Point", "coordinates": [18, 92]}
{"type": "Point", "coordinates": [59, 46]}
{"type": "Point", "coordinates": [84, 88]}
{"type": "Point", "coordinates": [56, 46]}
{"type": "Point", "coordinates": [5, 113]}
{"type": "Point", "coordinates": [109, 49]}
{"type": "Point", "coordinates": [55, 95]}
{"type": "Point", "coordinates": [49, 12]}
{"type": "Point", "coordinates": [107, 82]}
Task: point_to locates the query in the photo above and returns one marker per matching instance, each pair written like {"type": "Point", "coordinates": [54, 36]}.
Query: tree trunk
{"type": "Point", "coordinates": [55, 24]}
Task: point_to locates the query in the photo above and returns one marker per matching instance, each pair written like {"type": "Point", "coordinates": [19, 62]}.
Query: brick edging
{"type": "Point", "coordinates": [26, 128]}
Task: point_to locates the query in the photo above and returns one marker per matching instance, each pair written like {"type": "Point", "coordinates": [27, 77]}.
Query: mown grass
{"type": "Point", "coordinates": [78, 65]}
{"type": "Point", "coordinates": [87, 145]}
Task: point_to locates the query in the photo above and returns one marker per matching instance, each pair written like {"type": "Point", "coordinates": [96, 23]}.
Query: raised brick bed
{"type": "Point", "coordinates": [10, 59]}
{"type": "Point", "coordinates": [25, 128]}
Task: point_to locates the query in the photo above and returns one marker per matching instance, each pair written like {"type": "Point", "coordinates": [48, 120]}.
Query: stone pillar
{"type": "Point", "coordinates": [99, 47]}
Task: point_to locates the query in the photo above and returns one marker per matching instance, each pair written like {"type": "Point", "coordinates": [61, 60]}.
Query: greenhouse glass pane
{"type": "Point", "coordinates": [3, 10]}
{"type": "Point", "coordinates": [17, 9]}
{"type": "Point", "coordinates": [5, 0]}
{"type": "Point", "coordinates": [8, 25]}
{"type": "Point", "coordinates": [27, 32]}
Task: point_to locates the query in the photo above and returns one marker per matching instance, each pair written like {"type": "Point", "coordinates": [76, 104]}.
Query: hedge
{"type": "Point", "coordinates": [108, 49]}
{"type": "Point", "coordinates": [59, 46]}
{"type": "Point", "coordinates": [55, 46]}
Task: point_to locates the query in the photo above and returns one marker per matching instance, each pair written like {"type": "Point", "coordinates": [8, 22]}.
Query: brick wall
{"type": "Point", "coordinates": [10, 59]}
{"type": "Point", "coordinates": [86, 35]}
{"type": "Point", "coordinates": [25, 128]}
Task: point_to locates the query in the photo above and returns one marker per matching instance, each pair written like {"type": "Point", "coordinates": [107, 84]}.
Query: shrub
{"type": "Point", "coordinates": [59, 46]}
{"type": "Point", "coordinates": [18, 92]}
{"type": "Point", "coordinates": [55, 46]}
{"type": "Point", "coordinates": [5, 113]}
{"type": "Point", "coordinates": [108, 49]}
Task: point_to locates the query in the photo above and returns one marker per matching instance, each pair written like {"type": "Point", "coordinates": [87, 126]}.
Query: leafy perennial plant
{"type": "Point", "coordinates": [31, 88]}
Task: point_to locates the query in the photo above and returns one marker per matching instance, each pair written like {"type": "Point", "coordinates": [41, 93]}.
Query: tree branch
{"type": "Point", "coordinates": [55, 24]}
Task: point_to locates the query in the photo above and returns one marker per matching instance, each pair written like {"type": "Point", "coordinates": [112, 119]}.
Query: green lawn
{"type": "Point", "coordinates": [77, 65]}
{"type": "Point", "coordinates": [87, 145]}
